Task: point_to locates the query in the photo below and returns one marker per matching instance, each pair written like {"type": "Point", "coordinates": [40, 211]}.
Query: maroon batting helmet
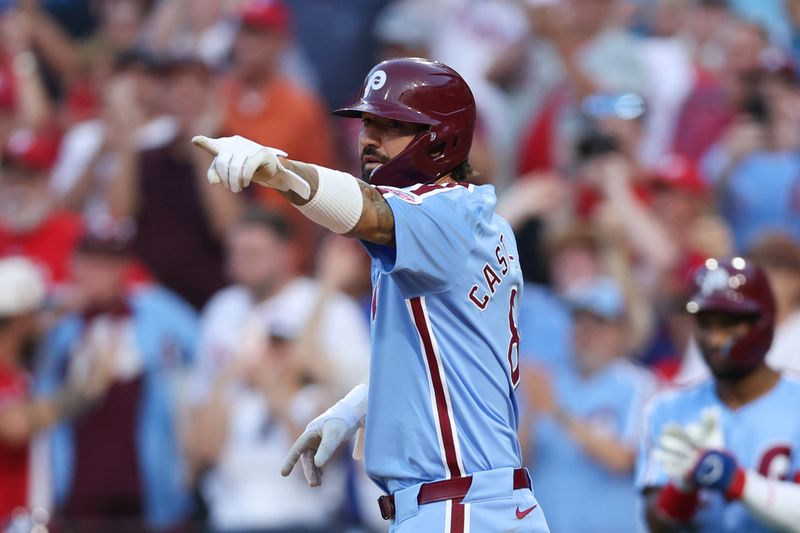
{"type": "Point", "coordinates": [739, 287]}
{"type": "Point", "coordinates": [419, 91]}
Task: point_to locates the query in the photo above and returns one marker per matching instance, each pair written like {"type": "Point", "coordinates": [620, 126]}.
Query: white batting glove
{"type": "Point", "coordinates": [708, 432]}
{"type": "Point", "coordinates": [236, 160]}
{"type": "Point", "coordinates": [679, 448]}
{"type": "Point", "coordinates": [325, 434]}
{"type": "Point", "coordinates": [677, 455]}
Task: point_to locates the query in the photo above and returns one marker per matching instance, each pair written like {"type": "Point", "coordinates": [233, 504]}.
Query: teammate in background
{"type": "Point", "coordinates": [440, 432]}
{"type": "Point", "coordinates": [721, 455]}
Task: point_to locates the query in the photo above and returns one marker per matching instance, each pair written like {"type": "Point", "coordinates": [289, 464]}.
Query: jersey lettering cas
{"type": "Point", "coordinates": [763, 435]}
{"type": "Point", "coordinates": [445, 344]}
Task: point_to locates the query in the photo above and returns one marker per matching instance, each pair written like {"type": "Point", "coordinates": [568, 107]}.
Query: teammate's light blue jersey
{"type": "Point", "coordinates": [763, 436]}
{"type": "Point", "coordinates": [445, 347]}
{"type": "Point", "coordinates": [563, 473]}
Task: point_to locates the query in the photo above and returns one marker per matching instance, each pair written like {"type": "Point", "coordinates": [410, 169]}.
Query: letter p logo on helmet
{"type": "Point", "coordinates": [375, 82]}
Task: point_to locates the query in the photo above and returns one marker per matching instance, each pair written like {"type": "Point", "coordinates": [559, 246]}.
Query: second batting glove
{"type": "Point", "coordinates": [325, 434]}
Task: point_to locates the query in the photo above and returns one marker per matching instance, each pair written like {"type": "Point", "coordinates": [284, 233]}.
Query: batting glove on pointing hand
{"type": "Point", "coordinates": [325, 434]}
{"type": "Point", "coordinates": [236, 160]}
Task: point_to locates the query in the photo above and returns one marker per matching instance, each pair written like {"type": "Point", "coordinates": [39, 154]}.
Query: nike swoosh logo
{"type": "Point", "coordinates": [523, 514]}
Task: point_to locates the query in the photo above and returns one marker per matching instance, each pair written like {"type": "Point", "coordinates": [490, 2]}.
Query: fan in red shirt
{"type": "Point", "coordinates": [22, 293]}
{"type": "Point", "coordinates": [30, 223]}
{"type": "Point", "coordinates": [13, 455]}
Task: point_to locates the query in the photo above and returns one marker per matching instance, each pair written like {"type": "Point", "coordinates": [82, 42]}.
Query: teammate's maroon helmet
{"type": "Point", "coordinates": [739, 287]}
{"type": "Point", "coordinates": [419, 91]}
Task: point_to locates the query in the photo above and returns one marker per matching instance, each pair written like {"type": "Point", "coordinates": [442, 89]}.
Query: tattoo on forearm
{"type": "Point", "coordinates": [377, 220]}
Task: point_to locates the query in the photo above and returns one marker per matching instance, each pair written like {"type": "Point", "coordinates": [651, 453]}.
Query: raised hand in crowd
{"type": "Point", "coordinates": [534, 195]}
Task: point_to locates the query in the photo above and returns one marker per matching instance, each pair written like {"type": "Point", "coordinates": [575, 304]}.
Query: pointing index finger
{"type": "Point", "coordinates": [206, 143]}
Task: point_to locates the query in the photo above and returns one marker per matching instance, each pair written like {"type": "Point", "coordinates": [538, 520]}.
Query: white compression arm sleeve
{"type": "Point", "coordinates": [337, 204]}
{"type": "Point", "coordinates": [776, 503]}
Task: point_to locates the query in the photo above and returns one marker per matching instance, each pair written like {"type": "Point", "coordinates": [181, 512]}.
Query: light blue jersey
{"type": "Point", "coordinates": [563, 473]}
{"type": "Point", "coordinates": [445, 362]}
{"type": "Point", "coordinates": [763, 436]}
{"type": "Point", "coordinates": [445, 347]}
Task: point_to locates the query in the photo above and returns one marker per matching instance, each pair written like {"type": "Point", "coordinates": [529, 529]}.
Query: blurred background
{"type": "Point", "coordinates": [188, 334]}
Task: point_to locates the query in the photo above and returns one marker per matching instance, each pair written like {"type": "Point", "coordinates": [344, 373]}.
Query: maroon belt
{"type": "Point", "coordinates": [448, 489]}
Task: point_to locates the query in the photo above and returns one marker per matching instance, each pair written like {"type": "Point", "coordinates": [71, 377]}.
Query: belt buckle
{"type": "Point", "coordinates": [386, 505]}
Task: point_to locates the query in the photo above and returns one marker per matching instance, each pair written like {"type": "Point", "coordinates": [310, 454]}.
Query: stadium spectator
{"type": "Point", "coordinates": [636, 245]}
{"type": "Point", "coordinates": [755, 168]}
{"type": "Point", "coordinates": [132, 112]}
{"type": "Point", "coordinates": [774, 17]}
{"type": "Point", "coordinates": [580, 49]}
{"type": "Point", "coordinates": [728, 51]}
{"type": "Point", "coordinates": [77, 69]}
{"type": "Point", "coordinates": [404, 29]}
{"type": "Point", "coordinates": [681, 203]}
{"type": "Point", "coordinates": [587, 414]}
{"type": "Point", "coordinates": [354, 40]}
{"type": "Point", "coordinates": [530, 205]}
{"type": "Point", "coordinates": [22, 295]}
{"type": "Point", "coordinates": [572, 256]}
{"type": "Point", "coordinates": [263, 104]}
{"type": "Point", "coordinates": [205, 30]}
{"type": "Point", "coordinates": [31, 224]}
{"type": "Point", "coordinates": [24, 101]}
{"type": "Point", "coordinates": [779, 255]}
{"type": "Point", "coordinates": [679, 200]}
{"type": "Point", "coordinates": [119, 466]}
{"type": "Point", "coordinates": [667, 66]}
{"type": "Point", "coordinates": [611, 192]}
{"type": "Point", "coordinates": [178, 235]}
{"type": "Point", "coordinates": [302, 343]}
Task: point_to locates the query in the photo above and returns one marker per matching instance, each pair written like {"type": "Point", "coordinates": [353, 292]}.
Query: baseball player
{"type": "Point", "coordinates": [440, 431]}
{"type": "Point", "coordinates": [720, 455]}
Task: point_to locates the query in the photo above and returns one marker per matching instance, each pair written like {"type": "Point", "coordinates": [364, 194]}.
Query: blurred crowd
{"type": "Point", "coordinates": [628, 141]}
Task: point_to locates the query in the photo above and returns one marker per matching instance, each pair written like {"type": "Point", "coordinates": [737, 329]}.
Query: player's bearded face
{"type": "Point", "coordinates": [370, 156]}
{"type": "Point", "coordinates": [382, 139]}
{"type": "Point", "coordinates": [716, 334]}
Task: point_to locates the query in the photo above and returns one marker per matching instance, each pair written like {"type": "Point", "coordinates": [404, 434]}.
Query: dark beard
{"type": "Point", "coordinates": [727, 372]}
{"type": "Point", "coordinates": [731, 375]}
{"type": "Point", "coordinates": [370, 150]}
